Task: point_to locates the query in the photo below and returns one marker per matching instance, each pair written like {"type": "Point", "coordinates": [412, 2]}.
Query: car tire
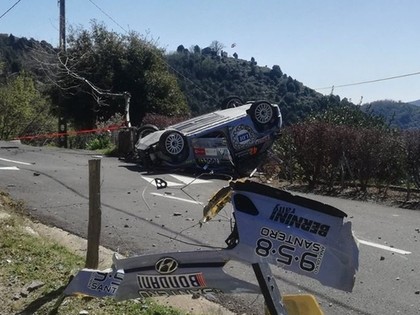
{"type": "Point", "coordinates": [173, 144]}
{"type": "Point", "coordinates": [146, 130]}
{"type": "Point", "coordinates": [231, 102]}
{"type": "Point", "coordinates": [263, 115]}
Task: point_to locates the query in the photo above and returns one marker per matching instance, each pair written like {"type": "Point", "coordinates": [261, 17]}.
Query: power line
{"type": "Point", "coordinates": [109, 17]}
{"type": "Point", "coordinates": [371, 81]}
{"type": "Point", "coordinates": [7, 11]}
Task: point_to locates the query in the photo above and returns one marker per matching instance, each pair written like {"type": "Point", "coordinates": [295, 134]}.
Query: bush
{"type": "Point", "coordinates": [100, 142]}
{"type": "Point", "coordinates": [320, 152]}
{"type": "Point", "coordinates": [23, 109]}
{"type": "Point", "coordinates": [411, 141]}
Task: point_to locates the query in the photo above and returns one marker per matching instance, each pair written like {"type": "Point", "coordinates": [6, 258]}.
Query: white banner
{"type": "Point", "coordinates": [295, 233]}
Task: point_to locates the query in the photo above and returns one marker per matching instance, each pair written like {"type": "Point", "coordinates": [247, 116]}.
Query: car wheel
{"type": "Point", "coordinates": [174, 145]}
{"type": "Point", "coordinates": [146, 130]}
{"type": "Point", "coordinates": [231, 102]}
{"type": "Point", "coordinates": [262, 114]}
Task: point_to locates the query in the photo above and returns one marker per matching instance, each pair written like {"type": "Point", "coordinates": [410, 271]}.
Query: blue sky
{"type": "Point", "coordinates": [321, 43]}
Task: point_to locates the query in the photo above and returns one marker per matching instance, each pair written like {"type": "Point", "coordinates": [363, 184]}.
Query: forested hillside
{"type": "Point", "coordinates": [15, 54]}
{"type": "Point", "coordinates": [205, 76]}
{"type": "Point", "coordinates": [417, 103]}
{"type": "Point", "coordinates": [209, 75]}
{"type": "Point", "coordinates": [396, 114]}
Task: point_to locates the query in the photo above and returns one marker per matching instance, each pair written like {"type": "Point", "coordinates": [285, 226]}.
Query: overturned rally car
{"type": "Point", "coordinates": [234, 138]}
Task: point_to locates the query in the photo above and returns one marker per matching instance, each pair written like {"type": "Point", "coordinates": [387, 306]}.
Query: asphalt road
{"type": "Point", "coordinates": [138, 218]}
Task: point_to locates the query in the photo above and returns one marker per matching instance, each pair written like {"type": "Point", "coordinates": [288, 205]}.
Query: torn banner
{"type": "Point", "coordinates": [166, 274]}
{"type": "Point", "coordinates": [298, 234]}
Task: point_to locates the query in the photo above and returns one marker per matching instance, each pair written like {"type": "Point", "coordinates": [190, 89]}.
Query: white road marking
{"type": "Point", "coordinates": [151, 180]}
{"type": "Point", "coordinates": [177, 198]}
{"type": "Point", "coordinates": [9, 168]}
{"type": "Point", "coordinates": [15, 162]}
{"type": "Point", "coordinates": [388, 248]}
{"type": "Point", "coordinates": [190, 180]}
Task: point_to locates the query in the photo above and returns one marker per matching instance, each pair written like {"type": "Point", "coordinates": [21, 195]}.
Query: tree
{"type": "Point", "coordinates": [276, 72]}
{"type": "Point", "coordinates": [197, 49]}
{"type": "Point", "coordinates": [114, 63]}
{"type": "Point", "coordinates": [180, 49]}
{"type": "Point", "coordinates": [23, 110]}
{"type": "Point", "coordinates": [208, 51]}
{"type": "Point", "coordinates": [217, 47]}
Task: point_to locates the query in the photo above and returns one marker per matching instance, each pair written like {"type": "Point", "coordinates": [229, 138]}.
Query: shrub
{"type": "Point", "coordinates": [321, 152]}
{"type": "Point", "coordinates": [411, 141]}
{"type": "Point", "coordinates": [100, 142]}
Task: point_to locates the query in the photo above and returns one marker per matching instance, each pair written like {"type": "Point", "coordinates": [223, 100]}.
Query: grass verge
{"type": "Point", "coordinates": [34, 271]}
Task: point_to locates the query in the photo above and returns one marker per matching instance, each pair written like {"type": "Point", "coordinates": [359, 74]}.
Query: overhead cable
{"type": "Point", "coordinates": [7, 11]}
{"type": "Point", "coordinates": [371, 81]}
{"type": "Point", "coordinates": [110, 17]}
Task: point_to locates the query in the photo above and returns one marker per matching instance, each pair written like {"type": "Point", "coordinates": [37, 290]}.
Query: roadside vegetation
{"type": "Point", "coordinates": [35, 270]}
{"type": "Point", "coordinates": [23, 108]}
{"type": "Point", "coordinates": [344, 150]}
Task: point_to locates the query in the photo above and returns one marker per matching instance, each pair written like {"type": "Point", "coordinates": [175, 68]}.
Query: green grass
{"type": "Point", "coordinates": [26, 257]}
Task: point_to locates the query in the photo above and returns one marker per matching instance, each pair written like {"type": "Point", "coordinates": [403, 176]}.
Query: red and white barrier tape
{"type": "Point", "coordinates": [69, 133]}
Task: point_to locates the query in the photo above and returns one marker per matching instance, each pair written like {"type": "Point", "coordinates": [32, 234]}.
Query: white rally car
{"type": "Point", "coordinates": [233, 138]}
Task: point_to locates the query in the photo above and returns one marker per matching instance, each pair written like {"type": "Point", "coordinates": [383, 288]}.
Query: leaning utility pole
{"type": "Point", "coordinates": [62, 121]}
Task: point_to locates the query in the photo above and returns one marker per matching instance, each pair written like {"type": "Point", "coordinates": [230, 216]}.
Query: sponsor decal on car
{"type": "Point", "coordinates": [199, 151]}
{"type": "Point", "coordinates": [242, 136]}
{"type": "Point", "coordinates": [208, 161]}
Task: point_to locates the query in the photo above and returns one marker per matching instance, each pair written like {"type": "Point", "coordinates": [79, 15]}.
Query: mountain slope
{"type": "Point", "coordinates": [398, 114]}
{"type": "Point", "coordinates": [207, 77]}
{"type": "Point", "coordinates": [417, 103]}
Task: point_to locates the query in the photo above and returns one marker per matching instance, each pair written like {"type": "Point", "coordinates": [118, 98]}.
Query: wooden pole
{"type": "Point", "coordinates": [62, 119]}
{"type": "Point", "coordinates": [94, 224]}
